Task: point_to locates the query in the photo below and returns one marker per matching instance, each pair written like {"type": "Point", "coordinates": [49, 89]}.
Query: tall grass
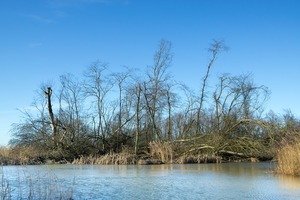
{"type": "Point", "coordinates": [107, 159]}
{"type": "Point", "coordinates": [7, 157]}
{"type": "Point", "coordinates": [24, 156]}
{"type": "Point", "coordinates": [288, 157]}
{"type": "Point", "coordinates": [185, 159]}
{"type": "Point", "coordinates": [162, 151]}
{"type": "Point", "coordinates": [126, 157]}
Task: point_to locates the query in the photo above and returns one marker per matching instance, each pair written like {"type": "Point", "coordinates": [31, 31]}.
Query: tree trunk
{"type": "Point", "coordinates": [48, 94]}
{"type": "Point", "coordinates": [137, 134]}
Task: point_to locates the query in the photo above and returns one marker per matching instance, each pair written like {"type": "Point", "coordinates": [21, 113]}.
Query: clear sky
{"type": "Point", "coordinates": [42, 39]}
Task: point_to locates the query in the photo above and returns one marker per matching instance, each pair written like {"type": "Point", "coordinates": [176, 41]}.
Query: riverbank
{"type": "Point", "coordinates": [288, 158]}
{"type": "Point", "coordinates": [9, 157]}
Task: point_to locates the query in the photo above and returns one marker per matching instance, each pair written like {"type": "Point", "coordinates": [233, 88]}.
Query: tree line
{"type": "Point", "coordinates": [103, 112]}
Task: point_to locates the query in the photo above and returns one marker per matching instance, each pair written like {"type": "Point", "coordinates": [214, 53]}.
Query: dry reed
{"type": "Point", "coordinates": [288, 157]}
{"type": "Point", "coordinates": [184, 159]}
{"type": "Point", "coordinates": [126, 157]}
{"type": "Point", "coordinates": [107, 159]}
{"type": "Point", "coordinates": [7, 157]}
{"type": "Point", "coordinates": [162, 151]}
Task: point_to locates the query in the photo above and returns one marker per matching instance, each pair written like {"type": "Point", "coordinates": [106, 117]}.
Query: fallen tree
{"type": "Point", "coordinates": [229, 146]}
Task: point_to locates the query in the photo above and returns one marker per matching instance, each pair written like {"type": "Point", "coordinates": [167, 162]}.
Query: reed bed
{"type": "Point", "coordinates": [288, 157]}
{"type": "Point", "coordinates": [162, 151]}
{"type": "Point", "coordinates": [107, 159]}
{"type": "Point", "coordinates": [185, 159]}
{"type": "Point", "coordinates": [7, 157]}
{"type": "Point", "coordinates": [24, 156]}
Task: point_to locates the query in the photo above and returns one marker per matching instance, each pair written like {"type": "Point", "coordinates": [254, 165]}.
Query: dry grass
{"type": "Point", "coordinates": [184, 159]}
{"type": "Point", "coordinates": [7, 157]}
{"type": "Point", "coordinates": [162, 151]}
{"type": "Point", "coordinates": [4, 155]}
{"type": "Point", "coordinates": [288, 157]}
{"type": "Point", "coordinates": [108, 159]}
{"type": "Point", "coordinates": [126, 157]}
{"type": "Point", "coordinates": [24, 156]}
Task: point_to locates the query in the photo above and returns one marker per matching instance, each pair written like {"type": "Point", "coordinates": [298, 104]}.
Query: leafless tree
{"type": "Point", "coordinates": [154, 89]}
{"type": "Point", "coordinates": [137, 117]}
{"type": "Point", "coordinates": [237, 98]}
{"type": "Point", "coordinates": [121, 79]}
{"type": "Point", "coordinates": [48, 94]}
{"type": "Point", "coordinates": [215, 48]}
{"type": "Point", "coordinates": [71, 104]}
{"type": "Point", "coordinates": [97, 86]}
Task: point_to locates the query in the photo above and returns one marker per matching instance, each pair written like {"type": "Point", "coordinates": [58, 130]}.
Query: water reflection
{"type": "Point", "coordinates": [289, 182]}
{"type": "Point", "coordinates": [190, 181]}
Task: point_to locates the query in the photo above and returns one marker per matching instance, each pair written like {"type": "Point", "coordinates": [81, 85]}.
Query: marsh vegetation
{"type": "Point", "coordinates": [125, 117]}
{"type": "Point", "coordinates": [288, 157]}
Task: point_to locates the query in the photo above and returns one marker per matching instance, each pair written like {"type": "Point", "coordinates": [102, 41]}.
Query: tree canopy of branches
{"type": "Point", "coordinates": [104, 111]}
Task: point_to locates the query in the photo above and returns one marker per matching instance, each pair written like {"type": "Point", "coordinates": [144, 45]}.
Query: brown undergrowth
{"type": "Point", "coordinates": [7, 157]}
{"type": "Point", "coordinates": [288, 157]}
{"type": "Point", "coordinates": [126, 157]}
{"type": "Point", "coordinates": [162, 151]}
{"type": "Point", "coordinates": [20, 156]}
{"type": "Point", "coordinates": [157, 152]}
{"type": "Point", "coordinates": [185, 159]}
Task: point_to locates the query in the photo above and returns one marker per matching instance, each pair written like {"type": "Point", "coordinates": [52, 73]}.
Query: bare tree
{"type": "Point", "coordinates": [71, 101]}
{"type": "Point", "coordinates": [154, 89]}
{"type": "Point", "coordinates": [171, 103]}
{"type": "Point", "coordinates": [137, 118]}
{"type": "Point", "coordinates": [121, 79]}
{"type": "Point", "coordinates": [237, 98]}
{"type": "Point", "coordinates": [97, 86]}
{"type": "Point", "coordinates": [215, 49]}
{"type": "Point", "coordinates": [48, 94]}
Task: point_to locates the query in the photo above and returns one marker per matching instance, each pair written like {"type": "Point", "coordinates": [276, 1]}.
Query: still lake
{"type": "Point", "coordinates": [174, 181]}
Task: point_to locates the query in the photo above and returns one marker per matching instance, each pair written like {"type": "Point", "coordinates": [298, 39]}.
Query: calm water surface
{"type": "Point", "coordinates": [195, 181]}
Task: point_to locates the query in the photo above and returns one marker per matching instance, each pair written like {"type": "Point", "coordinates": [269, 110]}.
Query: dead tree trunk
{"type": "Point", "coordinates": [48, 94]}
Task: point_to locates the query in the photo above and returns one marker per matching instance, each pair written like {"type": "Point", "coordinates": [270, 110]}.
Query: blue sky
{"type": "Point", "coordinates": [42, 39]}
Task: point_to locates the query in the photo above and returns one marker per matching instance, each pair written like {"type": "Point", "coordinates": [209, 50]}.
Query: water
{"type": "Point", "coordinates": [195, 181]}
